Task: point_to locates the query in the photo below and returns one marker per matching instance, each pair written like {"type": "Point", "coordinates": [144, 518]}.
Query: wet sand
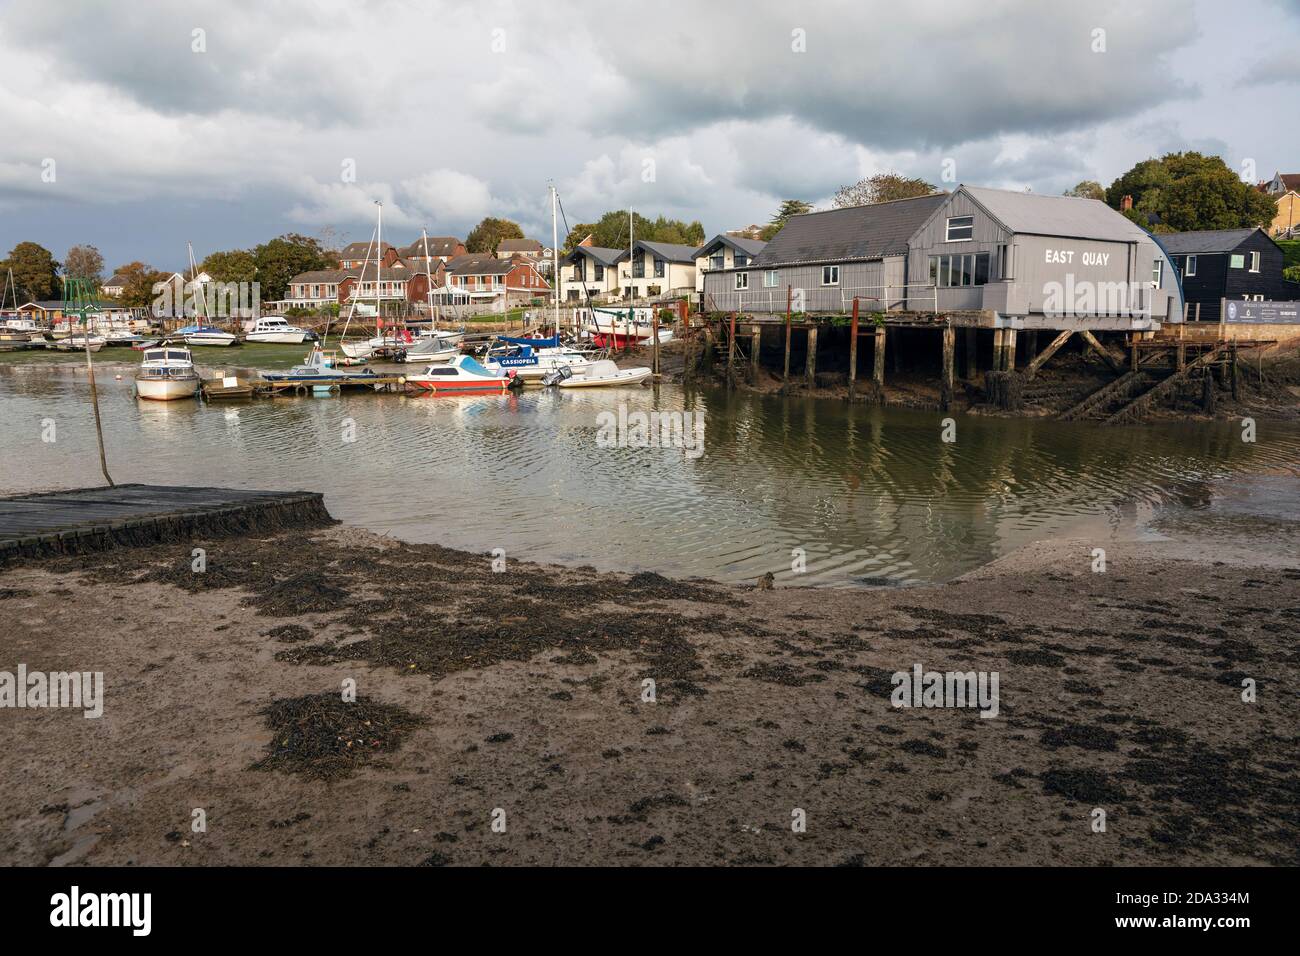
{"type": "Point", "coordinates": [522, 691]}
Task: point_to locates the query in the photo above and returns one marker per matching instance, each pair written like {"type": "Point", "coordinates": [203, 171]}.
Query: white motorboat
{"type": "Point", "coordinates": [320, 368]}
{"type": "Point", "coordinates": [603, 373]}
{"type": "Point", "coordinates": [533, 365]}
{"type": "Point", "coordinates": [275, 330]}
{"type": "Point", "coordinates": [167, 373]}
{"type": "Point", "coordinates": [205, 335]}
{"type": "Point", "coordinates": [77, 343]}
{"type": "Point", "coordinates": [429, 349]}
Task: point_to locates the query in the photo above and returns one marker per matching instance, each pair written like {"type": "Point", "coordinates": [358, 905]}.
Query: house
{"type": "Point", "coordinates": [725, 251]}
{"type": "Point", "coordinates": [115, 286]}
{"type": "Point", "coordinates": [524, 247]}
{"type": "Point", "coordinates": [487, 279]}
{"type": "Point", "coordinates": [1035, 261]}
{"type": "Point", "coordinates": [1281, 183]}
{"type": "Point", "coordinates": [1286, 224]}
{"type": "Point", "coordinates": [652, 270]}
{"type": "Point", "coordinates": [356, 253]}
{"type": "Point", "coordinates": [316, 290]}
{"type": "Point", "coordinates": [441, 249]}
{"type": "Point", "coordinates": [1228, 264]}
{"type": "Point", "coordinates": [590, 272]}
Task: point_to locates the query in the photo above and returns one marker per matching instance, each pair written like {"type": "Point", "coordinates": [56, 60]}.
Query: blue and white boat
{"type": "Point", "coordinates": [320, 369]}
{"type": "Point", "coordinates": [205, 335]}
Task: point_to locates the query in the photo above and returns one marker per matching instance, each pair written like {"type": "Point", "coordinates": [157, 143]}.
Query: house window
{"type": "Point", "coordinates": [960, 228]}
{"type": "Point", "coordinates": [659, 268]}
{"type": "Point", "coordinates": [717, 261]}
{"type": "Point", "coordinates": [769, 279]}
{"type": "Point", "coordinates": [1189, 266]}
{"type": "Point", "coordinates": [579, 270]}
{"type": "Point", "coordinates": [1237, 262]}
{"type": "Point", "coordinates": [830, 275]}
{"type": "Point", "coordinates": [1254, 262]}
{"type": "Point", "coordinates": [600, 273]}
{"type": "Point", "coordinates": [955, 271]}
{"type": "Point", "coordinates": [1157, 272]}
{"type": "Point", "coordinates": [742, 260]}
{"type": "Point", "coordinates": [1004, 262]}
{"type": "Point", "coordinates": [742, 280]}
{"type": "Point", "coordinates": [638, 266]}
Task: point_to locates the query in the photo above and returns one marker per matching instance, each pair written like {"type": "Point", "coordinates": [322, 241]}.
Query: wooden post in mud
{"type": "Point", "coordinates": [731, 345]}
{"type": "Point", "coordinates": [755, 346]}
{"type": "Point", "coordinates": [949, 348]}
{"type": "Point", "coordinates": [853, 350]}
{"type": "Point", "coordinates": [789, 302]}
{"type": "Point", "coordinates": [810, 369]}
{"type": "Point", "coordinates": [1009, 341]}
{"type": "Point", "coordinates": [654, 333]}
{"type": "Point", "coordinates": [1235, 387]}
{"type": "Point", "coordinates": [1031, 346]}
{"type": "Point", "coordinates": [878, 359]}
{"type": "Point", "coordinates": [1180, 351]}
{"type": "Point", "coordinates": [1134, 360]}
{"type": "Point", "coordinates": [972, 353]}
{"type": "Point", "coordinates": [999, 350]}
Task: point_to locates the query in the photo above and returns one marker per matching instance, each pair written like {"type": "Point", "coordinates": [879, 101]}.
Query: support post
{"type": "Point", "coordinates": [999, 350]}
{"type": "Point", "coordinates": [853, 350]}
{"type": "Point", "coordinates": [1116, 365]}
{"type": "Point", "coordinates": [731, 344]}
{"type": "Point", "coordinates": [895, 352]}
{"type": "Point", "coordinates": [1236, 394]}
{"type": "Point", "coordinates": [972, 353]}
{"type": "Point", "coordinates": [789, 295]}
{"type": "Point", "coordinates": [755, 344]}
{"type": "Point", "coordinates": [1010, 341]}
{"type": "Point", "coordinates": [949, 348]}
{"type": "Point", "coordinates": [1041, 358]}
{"type": "Point", "coordinates": [878, 358]}
{"type": "Point", "coordinates": [811, 369]}
{"type": "Point", "coordinates": [1031, 346]}
{"type": "Point", "coordinates": [654, 333]}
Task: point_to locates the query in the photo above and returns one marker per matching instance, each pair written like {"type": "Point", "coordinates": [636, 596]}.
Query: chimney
{"type": "Point", "coordinates": [586, 241]}
{"type": "Point", "coordinates": [1126, 204]}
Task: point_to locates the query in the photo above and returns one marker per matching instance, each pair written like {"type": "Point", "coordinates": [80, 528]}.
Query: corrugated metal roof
{"type": "Point", "coordinates": [1056, 215]}
{"type": "Point", "coordinates": [859, 232]}
{"type": "Point", "coordinates": [1208, 240]}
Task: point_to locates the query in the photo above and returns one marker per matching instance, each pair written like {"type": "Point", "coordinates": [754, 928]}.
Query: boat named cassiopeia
{"type": "Point", "coordinates": [166, 373]}
{"type": "Point", "coordinates": [461, 375]}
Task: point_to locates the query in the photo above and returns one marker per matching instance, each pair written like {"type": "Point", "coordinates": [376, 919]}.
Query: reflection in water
{"type": "Point", "coordinates": [868, 494]}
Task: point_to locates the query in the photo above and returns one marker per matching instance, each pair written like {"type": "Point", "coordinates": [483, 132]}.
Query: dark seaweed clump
{"type": "Point", "coordinates": [322, 737]}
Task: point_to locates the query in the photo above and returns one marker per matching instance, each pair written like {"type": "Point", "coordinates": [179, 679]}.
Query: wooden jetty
{"type": "Point", "coordinates": [95, 519]}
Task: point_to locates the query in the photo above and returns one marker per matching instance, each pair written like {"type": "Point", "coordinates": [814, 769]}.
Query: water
{"type": "Point", "coordinates": [871, 496]}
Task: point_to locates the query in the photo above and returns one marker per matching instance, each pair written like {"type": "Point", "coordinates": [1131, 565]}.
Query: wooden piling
{"type": "Point", "coordinates": [1041, 358]}
{"type": "Point", "coordinates": [654, 333]}
{"type": "Point", "coordinates": [1009, 339]}
{"type": "Point", "coordinates": [853, 350]}
{"type": "Point", "coordinates": [810, 370]}
{"type": "Point", "coordinates": [755, 345]}
{"type": "Point", "coordinates": [949, 348]}
{"type": "Point", "coordinates": [878, 359]}
{"type": "Point", "coordinates": [789, 296]}
{"type": "Point", "coordinates": [999, 350]}
{"type": "Point", "coordinates": [972, 353]}
{"type": "Point", "coordinates": [731, 345]}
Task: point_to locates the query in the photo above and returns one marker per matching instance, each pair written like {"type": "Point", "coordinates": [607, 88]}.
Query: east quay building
{"type": "Point", "coordinates": [992, 257]}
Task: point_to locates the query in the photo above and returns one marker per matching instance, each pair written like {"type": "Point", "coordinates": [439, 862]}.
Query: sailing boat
{"type": "Point", "coordinates": [382, 343]}
{"type": "Point", "coordinates": [16, 331]}
{"type": "Point", "coordinates": [433, 345]}
{"type": "Point", "coordinates": [202, 333]}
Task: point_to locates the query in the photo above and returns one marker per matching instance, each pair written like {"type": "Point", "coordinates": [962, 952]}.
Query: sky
{"type": "Point", "coordinates": [138, 127]}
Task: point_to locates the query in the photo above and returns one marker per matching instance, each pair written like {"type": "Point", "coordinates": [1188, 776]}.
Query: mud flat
{"type": "Point", "coordinates": [518, 695]}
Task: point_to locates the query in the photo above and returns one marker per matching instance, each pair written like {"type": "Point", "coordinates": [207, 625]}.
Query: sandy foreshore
{"type": "Point", "coordinates": [519, 697]}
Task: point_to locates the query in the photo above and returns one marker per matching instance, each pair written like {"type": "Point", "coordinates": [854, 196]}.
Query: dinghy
{"type": "Point", "coordinates": [603, 373]}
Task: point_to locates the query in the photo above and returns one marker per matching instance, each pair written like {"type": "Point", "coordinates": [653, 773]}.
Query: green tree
{"type": "Point", "coordinates": [611, 231]}
{"type": "Point", "coordinates": [84, 262]}
{"type": "Point", "coordinates": [139, 279]}
{"type": "Point", "coordinates": [1088, 189]}
{"type": "Point", "coordinates": [484, 237]}
{"type": "Point", "coordinates": [1190, 191]}
{"type": "Point", "coordinates": [237, 265]}
{"type": "Point", "coordinates": [789, 207]}
{"type": "Point", "coordinates": [284, 257]}
{"type": "Point", "coordinates": [882, 187]}
{"type": "Point", "coordinates": [36, 273]}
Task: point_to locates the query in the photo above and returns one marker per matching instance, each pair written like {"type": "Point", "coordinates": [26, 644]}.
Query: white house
{"type": "Point", "coordinates": [724, 252]}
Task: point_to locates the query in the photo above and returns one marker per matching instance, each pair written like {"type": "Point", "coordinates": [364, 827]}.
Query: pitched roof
{"type": "Point", "coordinates": [358, 250]}
{"type": "Point", "coordinates": [671, 251]}
{"type": "Point", "coordinates": [114, 280]}
{"type": "Point", "coordinates": [519, 245]}
{"type": "Point", "coordinates": [479, 264]}
{"type": "Point", "coordinates": [1042, 215]}
{"type": "Point", "coordinates": [606, 257]}
{"type": "Point", "coordinates": [750, 247]}
{"type": "Point", "coordinates": [857, 232]}
{"type": "Point", "coordinates": [1209, 240]}
{"type": "Point", "coordinates": [322, 275]}
{"type": "Point", "coordinates": [438, 246]}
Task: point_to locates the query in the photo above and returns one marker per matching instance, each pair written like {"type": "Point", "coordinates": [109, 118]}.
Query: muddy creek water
{"type": "Point", "coordinates": [868, 496]}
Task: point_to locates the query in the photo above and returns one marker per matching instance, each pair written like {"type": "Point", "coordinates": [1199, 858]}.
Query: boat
{"type": "Point", "coordinates": [225, 387]}
{"type": "Point", "coordinates": [167, 373]}
{"type": "Point", "coordinates": [205, 335]}
{"type": "Point", "coordinates": [429, 348]}
{"type": "Point", "coordinates": [533, 365]}
{"type": "Point", "coordinates": [461, 375]}
{"type": "Point", "coordinates": [271, 329]}
{"type": "Point", "coordinates": [319, 368]}
{"type": "Point", "coordinates": [606, 326]}
{"type": "Point", "coordinates": [602, 373]}
{"type": "Point", "coordinates": [14, 341]}
{"type": "Point", "coordinates": [77, 343]}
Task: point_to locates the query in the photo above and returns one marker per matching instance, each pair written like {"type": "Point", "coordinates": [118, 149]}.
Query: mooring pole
{"type": "Point", "coordinates": [878, 366]}
{"type": "Point", "coordinates": [755, 347]}
{"type": "Point", "coordinates": [94, 401]}
{"type": "Point", "coordinates": [789, 301]}
{"type": "Point", "coordinates": [731, 345]}
{"type": "Point", "coordinates": [654, 330]}
{"type": "Point", "coordinates": [810, 369]}
{"type": "Point", "coordinates": [853, 350]}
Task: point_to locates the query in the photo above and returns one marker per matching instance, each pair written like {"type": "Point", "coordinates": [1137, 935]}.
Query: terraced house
{"type": "Point", "coordinates": [649, 270]}
{"type": "Point", "coordinates": [1020, 259]}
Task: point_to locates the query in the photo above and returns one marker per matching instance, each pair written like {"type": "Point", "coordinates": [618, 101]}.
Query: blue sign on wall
{"type": "Point", "coordinates": [1262, 313]}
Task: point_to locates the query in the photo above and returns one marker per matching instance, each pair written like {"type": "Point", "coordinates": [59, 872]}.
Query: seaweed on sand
{"type": "Point", "coordinates": [324, 738]}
